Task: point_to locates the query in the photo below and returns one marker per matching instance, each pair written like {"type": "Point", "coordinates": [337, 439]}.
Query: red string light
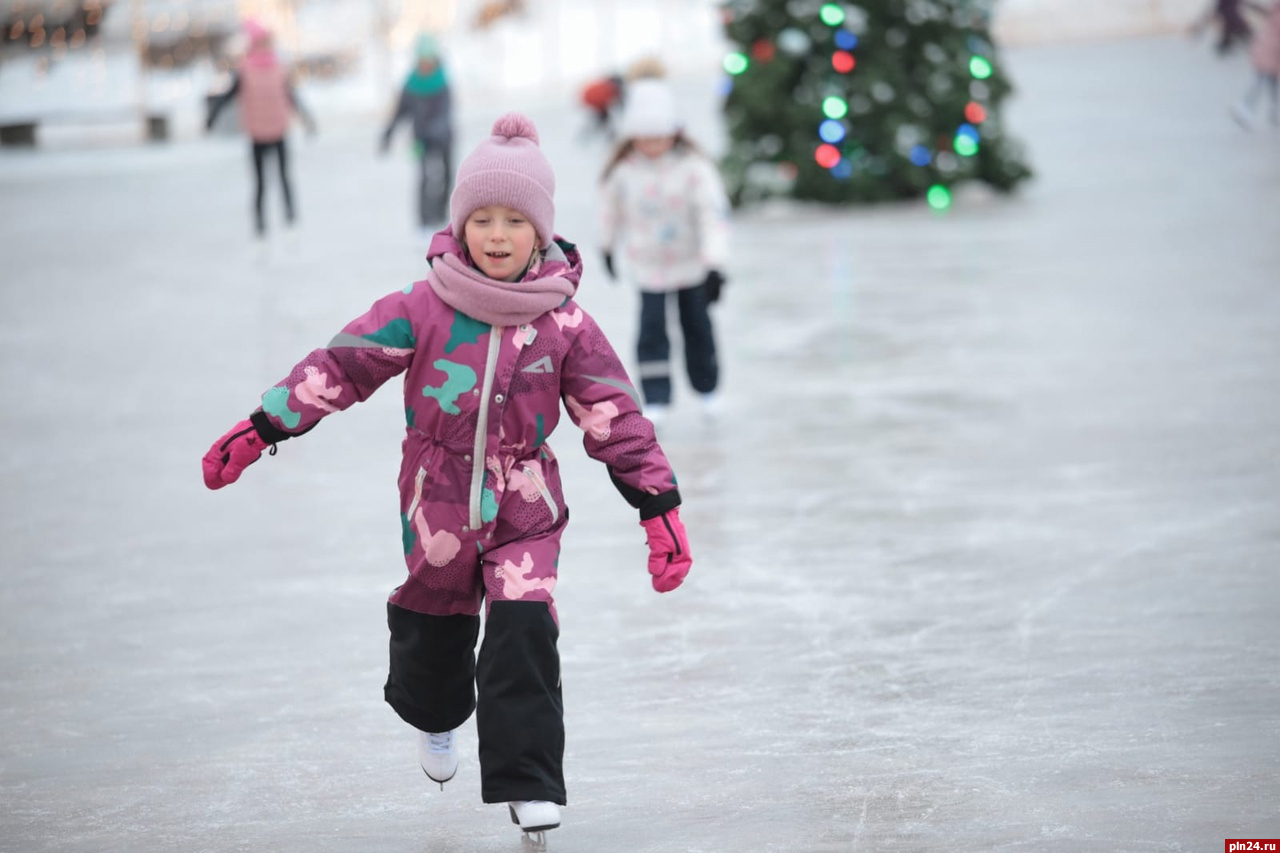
{"type": "Point", "coordinates": [763, 50]}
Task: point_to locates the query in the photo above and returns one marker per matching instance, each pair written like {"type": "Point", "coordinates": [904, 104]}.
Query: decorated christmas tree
{"type": "Point", "coordinates": [866, 101]}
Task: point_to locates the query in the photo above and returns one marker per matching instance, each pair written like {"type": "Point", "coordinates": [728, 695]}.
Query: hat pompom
{"type": "Point", "coordinates": [515, 126]}
{"type": "Point", "coordinates": [255, 30]}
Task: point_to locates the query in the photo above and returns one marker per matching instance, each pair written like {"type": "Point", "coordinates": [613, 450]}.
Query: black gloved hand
{"type": "Point", "coordinates": [714, 283]}
{"type": "Point", "coordinates": [608, 266]}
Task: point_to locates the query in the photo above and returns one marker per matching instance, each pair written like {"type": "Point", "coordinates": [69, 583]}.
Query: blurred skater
{"type": "Point", "coordinates": [267, 101]}
{"type": "Point", "coordinates": [1233, 28]}
{"type": "Point", "coordinates": [1265, 56]}
{"type": "Point", "coordinates": [664, 214]}
{"type": "Point", "coordinates": [427, 100]}
{"type": "Point", "coordinates": [492, 345]}
{"type": "Point", "coordinates": [603, 97]}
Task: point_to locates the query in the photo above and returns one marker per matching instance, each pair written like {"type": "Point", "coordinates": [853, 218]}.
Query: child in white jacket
{"type": "Point", "coordinates": [664, 212]}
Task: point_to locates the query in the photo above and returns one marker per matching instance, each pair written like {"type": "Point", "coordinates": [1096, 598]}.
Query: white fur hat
{"type": "Point", "coordinates": [649, 110]}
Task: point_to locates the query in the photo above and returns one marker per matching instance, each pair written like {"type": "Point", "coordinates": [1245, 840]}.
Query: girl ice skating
{"type": "Point", "coordinates": [490, 344]}
{"type": "Point", "coordinates": [665, 214]}
{"type": "Point", "coordinates": [267, 101]}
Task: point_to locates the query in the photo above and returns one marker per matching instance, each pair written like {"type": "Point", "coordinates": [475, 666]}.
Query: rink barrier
{"type": "Point", "coordinates": [22, 132]}
{"type": "Point", "coordinates": [1033, 22]}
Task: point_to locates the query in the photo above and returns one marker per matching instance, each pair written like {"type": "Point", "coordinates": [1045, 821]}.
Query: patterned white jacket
{"type": "Point", "coordinates": [666, 219]}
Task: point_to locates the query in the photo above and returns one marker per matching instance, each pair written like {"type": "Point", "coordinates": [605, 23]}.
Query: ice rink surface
{"type": "Point", "coordinates": [986, 545]}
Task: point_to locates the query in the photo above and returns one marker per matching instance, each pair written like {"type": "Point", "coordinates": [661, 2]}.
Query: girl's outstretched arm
{"type": "Point", "coordinates": [368, 351]}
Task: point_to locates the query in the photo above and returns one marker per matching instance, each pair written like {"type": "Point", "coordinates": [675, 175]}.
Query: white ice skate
{"type": "Point", "coordinates": [712, 407]}
{"type": "Point", "coordinates": [438, 755]}
{"type": "Point", "coordinates": [535, 817]}
{"type": "Point", "coordinates": [1243, 116]}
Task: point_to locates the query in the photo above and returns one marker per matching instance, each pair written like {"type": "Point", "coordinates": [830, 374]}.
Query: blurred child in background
{"type": "Point", "coordinates": [1233, 28]}
{"type": "Point", "coordinates": [267, 101]}
{"type": "Point", "coordinates": [427, 100]}
{"type": "Point", "coordinates": [603, 97]}
{"type": "Point", "coordinates": [664, 214]}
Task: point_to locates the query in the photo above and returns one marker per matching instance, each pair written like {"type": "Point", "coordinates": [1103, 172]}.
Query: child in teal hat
{"type": "Point", "coordinates": [426, 99]}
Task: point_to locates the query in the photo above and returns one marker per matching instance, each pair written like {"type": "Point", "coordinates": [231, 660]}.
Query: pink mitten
{"type": "Point", "coordinates": [231, 454]}
{"type": "Point", "coordinates": [669, 557]}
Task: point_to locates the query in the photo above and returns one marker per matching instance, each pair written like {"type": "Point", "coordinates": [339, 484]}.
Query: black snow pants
{"type": "Point", "coordinates": [653, 347]}
{"type": "Point", "coordinates": [436, 682]}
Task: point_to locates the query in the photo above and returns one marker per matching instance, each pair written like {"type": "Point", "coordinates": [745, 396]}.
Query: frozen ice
{"type": "Point", "coordinates": [986, 540]}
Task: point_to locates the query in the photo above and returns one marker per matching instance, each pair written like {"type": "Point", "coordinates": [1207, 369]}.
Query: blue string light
{"type": "Point", "coordinates": [846, 40]}
{"type": "Point", "coordinates": [831, 131]}
{"type": "Point", "coordinates": [920, 156]}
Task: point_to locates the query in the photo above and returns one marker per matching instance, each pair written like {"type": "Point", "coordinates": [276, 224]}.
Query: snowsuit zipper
{"type": "Point", "coordinates": [482, 426]}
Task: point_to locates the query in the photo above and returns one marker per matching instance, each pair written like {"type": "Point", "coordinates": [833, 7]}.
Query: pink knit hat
{"type": "Point", "coordinates": [508, 169]}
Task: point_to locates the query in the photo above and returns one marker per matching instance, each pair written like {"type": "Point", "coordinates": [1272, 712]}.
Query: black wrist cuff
{"type": "Point", "coordinates": [650, 506]}
{"type": "Point", "coordinates": [655, 505]}
{"type": "Point", "coordinates": [267, 431]}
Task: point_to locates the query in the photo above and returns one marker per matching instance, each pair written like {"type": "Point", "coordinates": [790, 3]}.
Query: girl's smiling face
{"type": "Point", "coordinates": [500, 240]}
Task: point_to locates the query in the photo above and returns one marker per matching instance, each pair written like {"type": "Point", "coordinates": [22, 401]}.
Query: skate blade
{"type": "Point", "coordinates": [440, 782]}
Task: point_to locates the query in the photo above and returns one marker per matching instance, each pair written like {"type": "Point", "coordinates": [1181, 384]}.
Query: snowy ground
{"type": "Point", "coordinates": [986, 552]}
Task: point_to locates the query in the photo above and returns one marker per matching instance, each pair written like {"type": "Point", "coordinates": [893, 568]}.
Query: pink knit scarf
{"type": "Point", "coordinates": [546, 285]}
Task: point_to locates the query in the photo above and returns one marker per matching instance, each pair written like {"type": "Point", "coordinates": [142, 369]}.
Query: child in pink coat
{"type": "Point", "coordinates": [490, 345]}
{"type": "Point", "coordinates": [267, 103]}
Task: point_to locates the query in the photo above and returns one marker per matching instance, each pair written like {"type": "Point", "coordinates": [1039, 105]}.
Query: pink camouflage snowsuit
{"type": "Point", "coordinates": [481, 505]}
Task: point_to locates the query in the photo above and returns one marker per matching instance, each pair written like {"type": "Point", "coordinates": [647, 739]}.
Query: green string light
{"type": "Point", "coordinates": [966, 146]}
{"type": "Point", "coordinates": [735, 63]}
{"type": "Point", "coordinates": [832, 15]}
{"type": "Point", "coordinates": [834, 107]}
{"type": "Point", "coordinates": [939, 197]}
{"type": "Point", "coordinates": [979, 67]}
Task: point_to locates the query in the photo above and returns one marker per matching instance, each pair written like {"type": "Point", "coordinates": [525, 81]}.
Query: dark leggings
{"type": "Point", "coordinates": [654, 348]}
{"type": "Point", "coordinates": [260, 151]}
{"type": "Point", "coordinates": [435, 183]}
